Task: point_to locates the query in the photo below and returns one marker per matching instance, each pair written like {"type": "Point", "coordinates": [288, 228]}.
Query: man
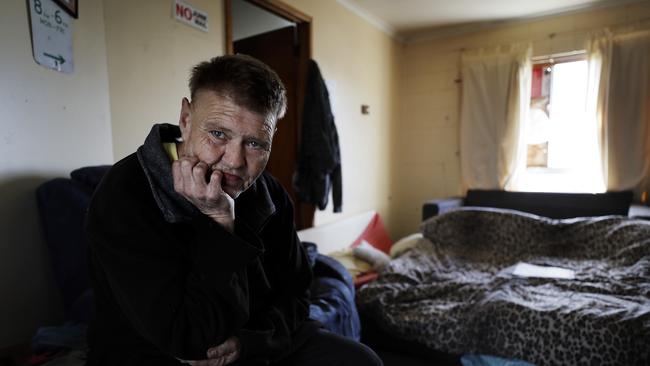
{"type": "Point", "coordinates": [193, 253]}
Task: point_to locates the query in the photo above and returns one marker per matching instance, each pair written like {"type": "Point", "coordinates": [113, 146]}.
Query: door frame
{"type": "Point", "coordinates": [302, 20]}
{"type": "Point", "coordinates": [305, 211]}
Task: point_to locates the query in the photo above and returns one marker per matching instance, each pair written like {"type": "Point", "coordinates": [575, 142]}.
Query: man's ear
{"type": "Point", "coordinates": [185, 119]}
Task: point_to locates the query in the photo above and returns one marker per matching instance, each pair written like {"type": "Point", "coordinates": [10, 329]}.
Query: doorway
{"type": "Point", "coordinates": [279, 36]}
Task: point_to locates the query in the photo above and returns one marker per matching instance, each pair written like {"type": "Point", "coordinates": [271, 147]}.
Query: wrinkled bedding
{"type": "Point", "coordinates": [454, 293]}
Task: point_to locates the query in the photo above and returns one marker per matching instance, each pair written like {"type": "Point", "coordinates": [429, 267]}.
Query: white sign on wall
{"type": "Point", "coordinates": [190, 15]}
{"type": "Point", "coordinates": [51, 35]}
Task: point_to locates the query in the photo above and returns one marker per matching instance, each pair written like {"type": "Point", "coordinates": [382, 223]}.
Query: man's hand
{"type": "Point", "coordinates": [190, 181]}
{"type": "Point", "coordinates": [223, 354]}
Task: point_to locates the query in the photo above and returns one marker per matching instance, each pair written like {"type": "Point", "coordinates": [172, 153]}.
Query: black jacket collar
{"type": "Point", "coordinates": [254, 206]}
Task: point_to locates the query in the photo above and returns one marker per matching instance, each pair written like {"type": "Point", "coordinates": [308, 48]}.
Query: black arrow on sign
{"type": "Point", "coordinates": [58, 59]}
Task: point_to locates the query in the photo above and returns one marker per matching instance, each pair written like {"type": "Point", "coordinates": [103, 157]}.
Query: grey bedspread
{"type": "Point", "coordinates": [454, 292]}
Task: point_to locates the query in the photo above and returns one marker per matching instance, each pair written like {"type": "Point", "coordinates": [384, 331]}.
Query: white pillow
{"type": "Point", "coordinates": [370, 254]}
{"type": "Point", "coordinates": [405, 244]}
{"type": "Point", "coordinates": [352, 264]}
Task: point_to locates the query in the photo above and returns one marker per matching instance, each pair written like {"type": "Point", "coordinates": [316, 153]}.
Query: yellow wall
{"type": "Point", "coordinates": [427, 138]}
{"type": "Point", "coordinates": [359, 63]}
{"type": "Point", "coordinates": [150, 55]}
{"type": "Point", "coordinates": [131, 70]}
{"type": "Point", "coordinates": [149, 59]}
{"type": "Point", "coordinates": [51, 124]}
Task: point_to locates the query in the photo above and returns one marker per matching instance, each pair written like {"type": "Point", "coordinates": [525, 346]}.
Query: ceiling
{"type": "Point", "coordinates": [408, 19]}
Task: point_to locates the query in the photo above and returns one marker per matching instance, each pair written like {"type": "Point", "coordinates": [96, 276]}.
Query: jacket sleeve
{"type": "Point", "coordinates": [274, 332]}
{"type": "Point", "coordinates": [182, 303]}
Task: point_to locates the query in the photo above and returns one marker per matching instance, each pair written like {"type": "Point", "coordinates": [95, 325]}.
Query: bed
{"type": "Point", "coordinates": [495, 281]}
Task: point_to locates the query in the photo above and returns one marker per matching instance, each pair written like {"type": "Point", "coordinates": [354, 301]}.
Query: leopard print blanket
{"type": "Point", "coordinates": [452, 292]}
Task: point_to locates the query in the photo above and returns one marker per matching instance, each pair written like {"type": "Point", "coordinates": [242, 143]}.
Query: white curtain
{"type": "Point", "coordinates": [620, 80]}
{"type": "Point", "coordinates": [494, 105]}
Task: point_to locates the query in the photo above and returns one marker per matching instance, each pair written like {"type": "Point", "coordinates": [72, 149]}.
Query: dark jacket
{"type": "Point", "coordinates": [319, 159]}
{"type": "Point", "coordinates": [170, 283]}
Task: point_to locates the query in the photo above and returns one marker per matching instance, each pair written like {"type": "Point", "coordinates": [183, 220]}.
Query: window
{"type": "Point", "coordinates": [562, 146]}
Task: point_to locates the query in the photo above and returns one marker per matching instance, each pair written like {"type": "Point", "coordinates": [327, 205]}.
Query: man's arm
{"type": "Point", "coordinates": [270, 334]}
{"type": "Point", "coordinates": [180, 299]}
{"type": "Point", "coordinates": [290, 274]}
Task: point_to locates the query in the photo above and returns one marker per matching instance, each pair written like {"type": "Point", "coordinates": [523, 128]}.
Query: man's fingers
{"type": "Point", "coordinates": [178, 178]}
{"type": "Point", "coordinates": [224, 348]}
{"type": "Point", "coordinates": [198, 175]}
{"type": "Point", "coordinates": [228, 351]}
{"type": "Point", "coordinates": [186, 165]}
{"type": "Point", "coordinates": [231, 357]}
{"type": "Point", "coordinates": [188, 162]}
{"type": "Point", "coordinates": [190, 175]}
{"type": "Point", "coordinates": [210, 362]}
{"type": "Point", "coordinates": [190, 181]}
{"type": "Point", "coordinates": [182, 173]}
{"type": "Point", "coordinates": [214, 189]}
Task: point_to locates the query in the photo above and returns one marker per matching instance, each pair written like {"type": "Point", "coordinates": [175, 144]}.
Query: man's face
{"type": "Point", "coordinates": [227, 137]}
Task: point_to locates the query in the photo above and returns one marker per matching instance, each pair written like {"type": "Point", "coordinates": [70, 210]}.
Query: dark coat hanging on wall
{"type": "Point", "coordinates": [319, 159]}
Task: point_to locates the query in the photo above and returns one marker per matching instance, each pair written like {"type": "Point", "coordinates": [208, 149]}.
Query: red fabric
{"type": "Point", "coordinates": [376, 235]}
{"type": "Point", "coordinates": [364, 278]}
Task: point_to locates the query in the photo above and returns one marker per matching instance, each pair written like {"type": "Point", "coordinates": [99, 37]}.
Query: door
{"type": "Point", "coordinates": [280, 51]}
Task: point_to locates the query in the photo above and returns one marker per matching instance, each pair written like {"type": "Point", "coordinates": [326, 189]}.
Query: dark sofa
{"type": "Point", "coordinates": [553, 205]}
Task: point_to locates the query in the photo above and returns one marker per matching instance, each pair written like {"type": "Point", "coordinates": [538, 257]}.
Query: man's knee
{"type": "Point", "coordinates": [343, 351]}
{"type": "Point", "coordinates": [364, 355]}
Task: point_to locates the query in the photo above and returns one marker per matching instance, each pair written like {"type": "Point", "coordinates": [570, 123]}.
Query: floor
{"type": "Point", "coordinates": [397, 359]}
{"type": "Point", "coordinates": [397, 352]}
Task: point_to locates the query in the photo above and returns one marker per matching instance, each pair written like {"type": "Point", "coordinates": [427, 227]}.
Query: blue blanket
{"type": "Point", "coordinates": [332, 295]}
